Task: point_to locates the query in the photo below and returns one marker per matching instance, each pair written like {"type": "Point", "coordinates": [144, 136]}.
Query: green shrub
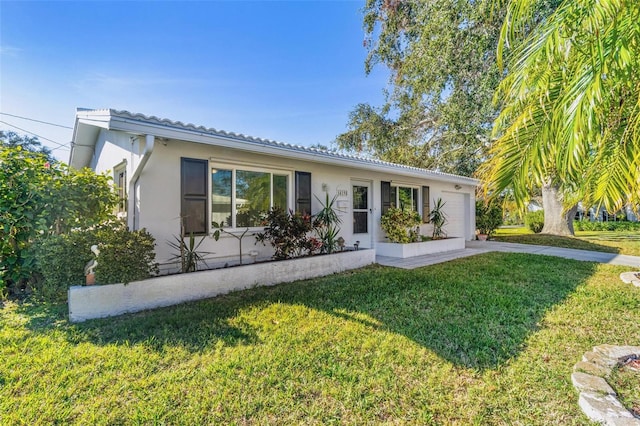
{"type": "Point", "coordinates": [399, 225]}
{"type": "Point", "coordinates": [585, 225]}
{"type": "Point", "coordinates": [124, 256]}
{"type": "Point", "coordinates": [488, 216]}
{"type": "Point", "coordinates": [534, 221]}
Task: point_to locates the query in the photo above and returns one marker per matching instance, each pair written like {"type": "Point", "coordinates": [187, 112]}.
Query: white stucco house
{"type": "Point", "coordinates": [167, 170]}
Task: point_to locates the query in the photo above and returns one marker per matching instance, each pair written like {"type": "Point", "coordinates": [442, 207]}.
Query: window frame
{"type": "Point", "coordinates": [415, 189]}
{"type": "Point", "coordinates": [122, 208]}
{"type": "Point", "coordinates": [234, 168]}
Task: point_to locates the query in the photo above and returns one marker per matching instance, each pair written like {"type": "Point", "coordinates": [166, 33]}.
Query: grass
{"type": "Point", "coordinates": [626, 383]}
{"type": "Point", "coordinates": [604, 241]}
{"type": "Point", "coordinates": [489, 339]}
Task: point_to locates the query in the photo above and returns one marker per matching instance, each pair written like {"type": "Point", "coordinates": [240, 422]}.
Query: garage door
{"type": "Point", "coordinates": [456, 213]}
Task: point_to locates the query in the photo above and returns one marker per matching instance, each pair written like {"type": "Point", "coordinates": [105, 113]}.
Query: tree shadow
{"type": "Point", "coordinates": [475, 312]}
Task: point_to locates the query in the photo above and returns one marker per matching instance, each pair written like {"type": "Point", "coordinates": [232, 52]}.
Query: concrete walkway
{"type": "Point", "coordinates": [478, 247]}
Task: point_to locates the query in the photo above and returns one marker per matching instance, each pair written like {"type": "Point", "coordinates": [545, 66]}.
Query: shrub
{"type": "Point", "coordinates": [399, 225]}
{"type": "Point", "coordinates": [488, 216]}
{"type": "Point", "coordinates": [124, 256]}
{"type": "Point", "coordinates": [534, 221]}
{"type": "Point", "coordinates": [43, 197]}
{"type": "Point", "coordinates": [288, 232]}
{"type": "Point", "coordinates": [585, 225]}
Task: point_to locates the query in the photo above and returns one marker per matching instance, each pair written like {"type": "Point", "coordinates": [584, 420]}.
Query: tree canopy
{"type": "Point", "coordinates": [571, 96]}
{"type": "Point", "coordinates": [441, 57]}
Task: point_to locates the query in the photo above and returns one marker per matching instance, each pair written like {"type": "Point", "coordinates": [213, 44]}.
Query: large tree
{"type": "Point", "coordinates": [571, 117]}
{"type": "Point", "coordinates": [441, 57]}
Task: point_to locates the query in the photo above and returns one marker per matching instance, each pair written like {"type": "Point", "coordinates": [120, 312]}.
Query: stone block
{"type": "Point", "coordinates": [599, 359]}
{"type": "Point", "coordinates": [606, 409]}
{"type": "Point", "coordinates": [591, 368]}
{"type": "Point", "coordinates": [589, 383]}
{"type": "Point", "coordinates": [616, 352]}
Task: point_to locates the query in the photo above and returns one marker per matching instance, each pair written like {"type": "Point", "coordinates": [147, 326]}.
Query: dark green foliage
{"type": "Point", "coordinates": [61, 259]}
{"type": "Point", "coordinates": [585, 225]}
{"type": "Point", "coordinates": [287, 232]}
{"type": "Point", "coordinates": [488, 216]}
{"type": "Point", "coordinates": [399, 225]}
{"type": "Point", "coordinates": [534, 220]}
{"type": "Point", "coordinates": [39, 197]}
{"type": "Point", "coordinates": [124, 256]}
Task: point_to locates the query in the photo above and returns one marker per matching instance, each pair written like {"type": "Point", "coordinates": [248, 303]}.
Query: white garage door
{"type": "Point", "coordinates": [456, 214]}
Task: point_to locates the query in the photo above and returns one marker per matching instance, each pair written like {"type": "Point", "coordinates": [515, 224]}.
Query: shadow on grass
{"type": "Point", "coordinates": [556, 241]}
{"type": "Point", "coordinates": [474, 312]}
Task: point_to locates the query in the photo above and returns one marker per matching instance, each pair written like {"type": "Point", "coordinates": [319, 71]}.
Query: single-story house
{"type": "Point", "coordinates": [167, 170]}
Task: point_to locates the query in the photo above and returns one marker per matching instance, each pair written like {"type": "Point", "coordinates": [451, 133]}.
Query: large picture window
{"type": "Point", "coordinates": [239, 197]}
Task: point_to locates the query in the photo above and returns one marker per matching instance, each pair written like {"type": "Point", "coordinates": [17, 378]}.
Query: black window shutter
{"type": "Point", "coordinates": [385, 196]}
{"type": "Point", "coordinates": [303, 192]}
{"type": "Point", "coordinates": [193, 193]}
{"type": "Point", "coordinates": [425, 204]}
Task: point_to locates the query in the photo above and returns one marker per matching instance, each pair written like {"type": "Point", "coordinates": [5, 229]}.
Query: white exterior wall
{"type": "Point", "coordinates": [159, 197]}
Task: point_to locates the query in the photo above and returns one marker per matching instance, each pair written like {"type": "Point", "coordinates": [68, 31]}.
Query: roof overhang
{"type": "Point", "coordinates": [89, 123]}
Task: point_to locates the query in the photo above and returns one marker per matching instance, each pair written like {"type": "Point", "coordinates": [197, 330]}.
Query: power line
{"type": "Point", "coordinates": [60, 145]}
{"type": "Point", "coordinates": [37, 121]}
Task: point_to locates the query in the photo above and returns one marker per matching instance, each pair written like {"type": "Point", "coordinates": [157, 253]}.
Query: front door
{"type": "Point", "coordinates": [361, 207]}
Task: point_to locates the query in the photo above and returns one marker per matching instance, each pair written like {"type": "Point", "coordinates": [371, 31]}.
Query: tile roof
{"type": "Point", "coordinates": [179, 125]}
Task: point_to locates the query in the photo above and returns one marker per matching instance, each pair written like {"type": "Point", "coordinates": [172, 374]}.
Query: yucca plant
{"type": "Point", "coordinates": [438, 219]}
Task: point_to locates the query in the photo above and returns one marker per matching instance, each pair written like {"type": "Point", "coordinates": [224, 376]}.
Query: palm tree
{"type": "Point", "coordinates": [571, 118]}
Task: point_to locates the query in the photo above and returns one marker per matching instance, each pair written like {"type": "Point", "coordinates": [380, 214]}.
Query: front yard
{"type": "Point", "coordinates": [486, 339]}
{"type": "Point", "coordinates": [622, 242]}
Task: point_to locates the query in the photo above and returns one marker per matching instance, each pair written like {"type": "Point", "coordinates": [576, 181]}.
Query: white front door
{"type": "Point", "coordinates": [361, 200]}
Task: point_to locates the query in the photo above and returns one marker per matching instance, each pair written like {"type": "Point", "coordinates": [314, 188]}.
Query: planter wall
{"type": "Point", "coordinates": [419, 249]}
{"type": "Point", "coordinates": [101, 301]}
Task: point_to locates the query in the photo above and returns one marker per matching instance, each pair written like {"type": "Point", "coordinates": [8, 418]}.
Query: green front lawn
{"type": "Point", "coordinates": [606, 241]}
{"type": "Point", "coordinates": [489, 339]}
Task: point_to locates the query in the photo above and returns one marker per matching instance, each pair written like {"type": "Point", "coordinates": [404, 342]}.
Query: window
{"type": "Point", "coordinates": [120, 179]}
{"type": "Point", "coordinates": [403, 197]}
{"type": "Point", "coordinates": [239, 197]}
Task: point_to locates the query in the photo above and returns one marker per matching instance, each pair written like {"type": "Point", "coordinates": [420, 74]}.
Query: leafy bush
{"type": "Point", "coordinates": [40, 197]}
{"type": "Point", "coordinates": [288, 232]}
{"type": "Point", "coordinates": [534, 221]}
{"type": "Point", "coordinates": [585, 225]}
{"type": "Point", "coordinates": [124, 256]}
{"type": "Point", "coordinates": [488, 216]}
{"type": "Point", "coordinates": [399, 225]}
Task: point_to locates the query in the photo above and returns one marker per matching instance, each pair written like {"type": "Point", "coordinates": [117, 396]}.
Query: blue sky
{"type": "Point", "coordinates": [284, 70]}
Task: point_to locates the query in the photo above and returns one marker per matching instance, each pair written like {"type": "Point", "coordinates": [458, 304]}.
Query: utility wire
{"type": "Point", "coordinates": [37, 121]}
{"type": "Point", "coordinates": [60, 145]}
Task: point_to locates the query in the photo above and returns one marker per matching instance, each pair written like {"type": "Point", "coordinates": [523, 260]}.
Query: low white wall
{"type": "Point", "coordinates": [419, 249]}
{"type": "Point", "coordinates": [101, 301]}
